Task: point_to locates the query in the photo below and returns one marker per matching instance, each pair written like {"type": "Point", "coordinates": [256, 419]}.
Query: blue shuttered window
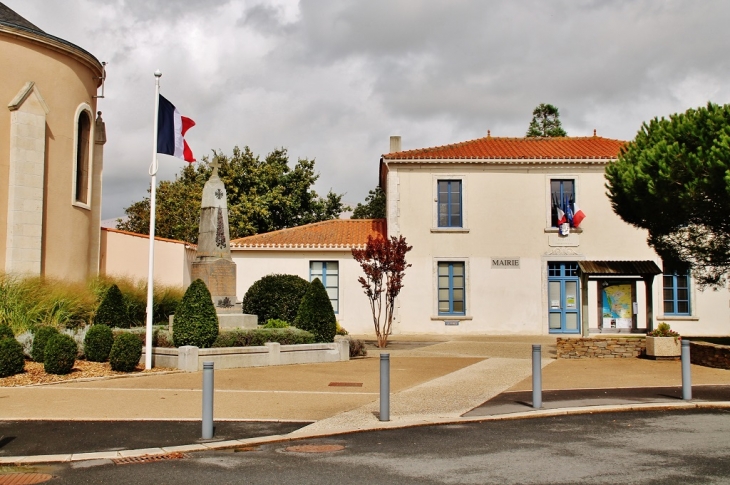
{"type": "Point", "coordinates": [676, 292]}
{"type": "Point", "coordinates": [451, 289]}
{"type": "Point", "coordinates": [328, 273]}
{"type": "Point", "coordinates": [449, 203]}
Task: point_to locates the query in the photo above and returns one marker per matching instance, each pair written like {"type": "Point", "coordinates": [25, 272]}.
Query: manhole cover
{"type": "Point", "coordinates": [314, 448]}
{"type": "Point", "coordinates": [147, 459]}
{"type": "Point", "coordinates": [24, 478]}
{"type": "Point", "coordinates": [345, 384]}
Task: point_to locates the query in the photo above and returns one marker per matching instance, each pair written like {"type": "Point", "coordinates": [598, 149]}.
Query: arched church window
{"type": "Point", "coordinates": [83, 133]}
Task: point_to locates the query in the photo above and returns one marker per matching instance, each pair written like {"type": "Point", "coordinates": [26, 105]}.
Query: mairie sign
{"type": "Point", "coordinates": [505, 263]}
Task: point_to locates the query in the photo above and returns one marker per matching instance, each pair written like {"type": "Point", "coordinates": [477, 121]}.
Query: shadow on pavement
{"type": "Point", "coordinates": [520, 401]}
{"type": "Point", "coordinates": [23, 438]}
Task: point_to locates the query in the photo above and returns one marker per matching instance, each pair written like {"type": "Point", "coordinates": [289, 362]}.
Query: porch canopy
{"type": "Point", "coordinates": [644, 270]}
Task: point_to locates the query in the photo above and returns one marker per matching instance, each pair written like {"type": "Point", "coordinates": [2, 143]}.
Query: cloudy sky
{"type": "Point", "coordinates": [333, 79]}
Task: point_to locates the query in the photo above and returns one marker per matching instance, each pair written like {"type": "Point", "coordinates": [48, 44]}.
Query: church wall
{"type": "Point", "coordinates": [66, 83]}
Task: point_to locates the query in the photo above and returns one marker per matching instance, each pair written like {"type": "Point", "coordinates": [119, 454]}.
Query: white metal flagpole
{"type": "Point", "coordinates": [153, 193]}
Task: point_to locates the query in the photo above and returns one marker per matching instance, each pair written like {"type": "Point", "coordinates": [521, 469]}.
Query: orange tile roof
{"type": "Point", "coordinates": [334, 234]}
{"type": "Point", "coordinates": [522, 149]}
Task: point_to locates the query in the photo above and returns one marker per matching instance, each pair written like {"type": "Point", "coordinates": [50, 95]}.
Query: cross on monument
{"type": "Point", "coordinates": [215, 164]}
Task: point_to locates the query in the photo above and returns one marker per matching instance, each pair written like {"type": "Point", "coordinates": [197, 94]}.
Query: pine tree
{"type": "Point", "coordinates": [545, 122]}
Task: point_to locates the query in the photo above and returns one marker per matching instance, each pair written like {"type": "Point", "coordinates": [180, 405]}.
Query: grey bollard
{"type": "Point", "coordinates": [536, 376]}
{"type": "Point", "coordinates": [207, 400]}
{"type": "Point", "coordinates": [686, 374]}
{"type": "Point", "coordinates": [385, 387]}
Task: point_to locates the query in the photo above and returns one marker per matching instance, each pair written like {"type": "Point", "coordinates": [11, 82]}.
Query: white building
{"type": "Point", "coordinates": [487, 254]}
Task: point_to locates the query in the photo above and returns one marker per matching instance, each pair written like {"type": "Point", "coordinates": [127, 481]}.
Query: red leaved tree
{"type": "Point", "coordinates": [384, 264]}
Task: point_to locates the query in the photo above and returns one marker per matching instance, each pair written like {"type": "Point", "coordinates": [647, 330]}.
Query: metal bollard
{"type": "Point", "coordinates": [207, 400]}
{"type": "Point", "coordinates": [536, 376]}
{"type": "Point", "coordinates": [385, 387]}
{"type": "Point", "coordinates": [686, 374]}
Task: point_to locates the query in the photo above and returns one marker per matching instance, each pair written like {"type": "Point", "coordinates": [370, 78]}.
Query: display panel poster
{"type": "Point", "coordinates": [617, 305]}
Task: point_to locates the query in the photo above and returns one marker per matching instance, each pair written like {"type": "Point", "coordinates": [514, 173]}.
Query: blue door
{"type": "Point", "coordinates": [563, 297]}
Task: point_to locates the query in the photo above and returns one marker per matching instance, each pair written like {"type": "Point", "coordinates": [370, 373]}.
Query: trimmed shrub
{"type": "Point", "coordinates": [259, 336]}
{"type": "Point", "coordinates": [196, 322]}
{"type": "Point", "coordinates": [12, 360]}
{"type": "Point", "coordinates": [59, 354]}
{"type": "Point", "coordinates": [6, 332]}
{"type": "Point", "coordinates": [357, 348]}
{"type": "Point", "coordinates": [276, 323]}
{"type": "Point", "coordinates": [40, 338]}
{"type": "Point", "coordinates": [98, 343]}
{"type": "Point", "coordinates": [112, 311]}
{"type": "Point", "coordinates": [125, 353]}
{"type": "Point", "coordinates": [275, 296]}
{"type": "Point", "coordinates": [316, 314]}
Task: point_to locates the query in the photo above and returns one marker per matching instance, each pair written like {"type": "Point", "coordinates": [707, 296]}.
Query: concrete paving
{"type": "Point", "coordinates": [434, 379]}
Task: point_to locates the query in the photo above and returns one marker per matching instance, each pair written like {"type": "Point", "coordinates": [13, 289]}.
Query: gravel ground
{"type": "Point", "coordinates": [34, 373]}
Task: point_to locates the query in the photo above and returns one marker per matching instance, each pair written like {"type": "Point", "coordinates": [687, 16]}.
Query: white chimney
{"type": "Point", "coordinates": [394, 144]}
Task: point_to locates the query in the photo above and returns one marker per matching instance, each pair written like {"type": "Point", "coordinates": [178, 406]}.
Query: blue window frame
{"type": "Point", "coordinates": [676, 292]}
{"type": "Point", "coordinates": [451, 289]}
{"type": "Point", "coordinates": [449, 203]}
{"type": "Point", "coordinates": [328, 273]}
{"type": "Point", "coordinates": [561, 192]}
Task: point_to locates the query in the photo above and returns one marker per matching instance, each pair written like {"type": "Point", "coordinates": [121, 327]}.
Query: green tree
{"type": "Point", "coordinates": [545, 122]}
{"type": "Point", "coordinates": [315, 313]}
{"type": "Point", "coordinates": [196, 322]}
{"type": "Point", "coordinates": [263, 195]}
{"type": "Point", "coordinates": [374, 206]}
{"type": "Point", "coordinates": [673, 180]}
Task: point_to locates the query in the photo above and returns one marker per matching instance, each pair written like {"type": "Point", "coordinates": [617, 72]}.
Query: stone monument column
{"type": "Point", "coordinates": [213, 263]}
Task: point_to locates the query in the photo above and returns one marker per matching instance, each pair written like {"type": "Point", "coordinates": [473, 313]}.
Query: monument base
{"type": "Point", "coordinates": [228, 321]}
{"type": "Point", "coordinates": [219, 275]}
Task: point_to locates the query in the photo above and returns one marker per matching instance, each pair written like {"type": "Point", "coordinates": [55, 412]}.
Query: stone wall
{"type": "Point", "coordinates": [601, 347]}
{"type": "Point", "coordinates": [709, 355]}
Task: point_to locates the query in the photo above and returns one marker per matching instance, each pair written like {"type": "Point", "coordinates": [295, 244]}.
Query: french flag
{"type": "Point", "coordinates": [562, 218]}
{"type": "Point", "coordinates": [171, 129]}
{"type": "Point", "coordinates": [578, 215]}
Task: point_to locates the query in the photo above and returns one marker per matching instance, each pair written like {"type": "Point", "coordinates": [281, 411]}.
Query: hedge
{"type": "Point", "coordinates": [98, 343]}
{"type": "Point", "coordinates": [40, 337]}
{"type": "Point", "coordinates": [60, 354]}
{"type": "Point", "coordinates": [316, 314]}
{"type": "Point", "coordinates": [276, 296]}
{"type": "Point", "coordinates": [259, 336]}
{"type": "Point", "coordinates": [125, 353]}
{"type": "Point", "coordinates": [112, 311]}
{"type": "Point", "coordinates": [196, 321]}
{"type": "Point", "coordinates": [12, 360]}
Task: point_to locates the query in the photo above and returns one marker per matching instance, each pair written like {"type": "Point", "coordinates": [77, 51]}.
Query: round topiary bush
{"type": "Point", "coordinates": [40, 337]}
{"type": "Point", "coordinates": [111, 310]}
{"type": "Point", "coordinates": [98, 343]}
{"type": "Point", "coordinates": [60, 354]}
{"type": "Point", "coordinates": [12, 360]}
{"type": "Point", "coordinates": [6, 331]}
{"type": "Point", "coordinates": [126, 352]}
{"type": "Point", "coordinates": [316, 314]}
{"type": "Point", "coordinates": [275, 296]}
{"type": "Point", "coordinates": [196, 322]}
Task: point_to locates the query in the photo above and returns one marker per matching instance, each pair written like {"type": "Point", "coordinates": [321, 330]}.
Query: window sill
{"type": "Point", "coordinates": [677, 318]}
{"type": "Point", "coordinates": [554, 230]}
{"type": "Point", "coordinates": [458, 230]}
{"type": "Point", "coordinates": [451, 317]}
{"type": "Point", "coordinates": [81, 205]}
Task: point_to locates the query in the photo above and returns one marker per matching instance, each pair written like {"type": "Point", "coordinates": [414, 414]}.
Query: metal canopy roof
{"type": "Point", "coordinates": [619, 268]}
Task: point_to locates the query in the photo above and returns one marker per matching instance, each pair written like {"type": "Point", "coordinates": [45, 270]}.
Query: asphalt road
{"type": "Point", "coordinates": [669, 447]}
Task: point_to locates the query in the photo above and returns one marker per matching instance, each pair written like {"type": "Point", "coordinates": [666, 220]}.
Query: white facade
{"type": "Point", "coordinates": [353, 308]}
{"type": "Point", "coordinates": [505, 243]}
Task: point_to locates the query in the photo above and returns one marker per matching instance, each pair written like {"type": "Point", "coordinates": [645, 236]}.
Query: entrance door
{"type": "Point", "coordinates": [563, 297]}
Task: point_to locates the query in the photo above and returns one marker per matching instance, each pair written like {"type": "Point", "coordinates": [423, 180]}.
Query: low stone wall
{"type": "Point", "coordinates": [709, 355]}
{"type": "Point", "coordinates": [190, 358]}
{"type": "Point", "coordinates": [601, 347]}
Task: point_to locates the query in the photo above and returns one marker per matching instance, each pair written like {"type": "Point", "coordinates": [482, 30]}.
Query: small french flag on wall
{"type": "Point", "coordinates": [578, 215]}
{"type": "Point", "coordinates": [171, 129]}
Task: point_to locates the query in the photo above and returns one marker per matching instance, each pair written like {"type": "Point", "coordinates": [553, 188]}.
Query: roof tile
{"type": "Point", "coordinates": [334, 234]}
{"type": "Point", "coordinates": [496, 148]}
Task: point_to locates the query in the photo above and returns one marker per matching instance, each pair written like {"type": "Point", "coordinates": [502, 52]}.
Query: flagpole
{"type": "Point", "coordinates": [153, 194]}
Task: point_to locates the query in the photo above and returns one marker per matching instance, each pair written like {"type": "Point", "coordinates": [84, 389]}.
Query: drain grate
{"type": "Point", "coordinates": [148, 458]}
{"type": "Point", "coordinates": [314, 448]}
{"type": "Point", "coordinates": [345, 384]}
{"type": "Point", "coordinates": [24, 478]}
